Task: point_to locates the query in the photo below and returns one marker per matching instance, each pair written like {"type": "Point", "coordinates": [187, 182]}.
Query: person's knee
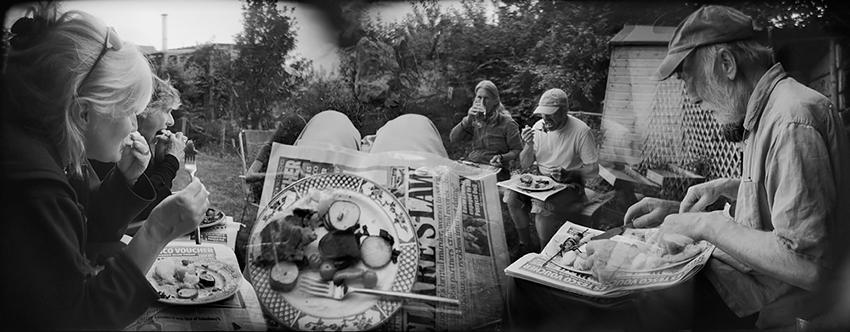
{"type": "Point", "coordinates": [513, 201]}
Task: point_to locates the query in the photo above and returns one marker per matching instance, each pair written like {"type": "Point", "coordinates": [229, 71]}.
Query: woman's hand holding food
{"type": "Point", "coordinates": [179, 213]}
{"type": "Point", "coordinates": [135, 156]}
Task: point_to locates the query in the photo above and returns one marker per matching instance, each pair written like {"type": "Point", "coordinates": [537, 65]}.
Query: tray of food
{"type": "Point", "coordinates": [337, 228]}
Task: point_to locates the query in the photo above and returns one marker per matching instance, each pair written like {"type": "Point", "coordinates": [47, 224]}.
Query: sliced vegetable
{"type": "Point", "coordinates": [375, 251]}
{"type": "Point", "coordinates": [284, 276]}
{"type": "Point", "coordinates": [206, 280]}
{"type": "Point", "coordinates": [187, 293]}
{"type": "Point", "coordinates": [343, 215]}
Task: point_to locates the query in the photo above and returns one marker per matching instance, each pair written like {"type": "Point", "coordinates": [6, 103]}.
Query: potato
{"type": "Point", "coordinates": [579, 263]}
{"type": "Point", "coordinates": [375, 252]}
{"type": "Point", "coordinates": [638, 262]}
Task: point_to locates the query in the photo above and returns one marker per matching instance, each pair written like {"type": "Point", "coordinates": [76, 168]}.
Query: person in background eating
{"type": "Point", "coordinates": [792, 202]}
{"type": "Point", "coordinates": [492, 130]}
{"type": "Point", "coordinates": [168, 146]}
{"type": "Point", "coordinates": [71, 91]}
{"type": "Point", "coordinates": [564, 149]}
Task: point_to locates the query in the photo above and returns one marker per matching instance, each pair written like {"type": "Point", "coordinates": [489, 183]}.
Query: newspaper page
{"type": "Point", "coordinates": [531, 267]}
{"type": "Point", "coordinates": [457, 214]}
{"type": "Point", "coordinates": [224, 233]}
{"type": "Point", "coordinates": [242, 311]}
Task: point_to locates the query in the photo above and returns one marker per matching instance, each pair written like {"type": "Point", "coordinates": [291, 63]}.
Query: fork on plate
{"type": "Point", "coordinates": [190, 166]}
{"type": "Point", "coordinates": [329, 290]}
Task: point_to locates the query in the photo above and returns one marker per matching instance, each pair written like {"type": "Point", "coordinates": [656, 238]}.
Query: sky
{"type": "Point", "coordinates": [194, 22]}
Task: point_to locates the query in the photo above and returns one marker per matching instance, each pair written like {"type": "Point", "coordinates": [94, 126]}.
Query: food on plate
{"type": "Point", "coordinates": [283, 276]}
{"type": "Point", "coordinates": [370, 279]}
{"type": "Point", "coordinates": [187, 293]}
{"type": "Point", "coordinates": [674, 243]}
{"type": "Point", "coordinates": [327, 271]}
{"type": "Point", "coordinates": [165, 271]}
{"type": "Point", "coordinates": [206, 279]}
{"type": "Point", "coordinates": [212, 216]}
{"type": "Point", "coordinates": [376, 251]}
{"type": "Point", "coordinates": [568, 258]}
{"type": "Point", "coordinates": [541, 183]}
{"type": "Point", "coordinates": [314, 261]}
{"type": "Point", "coordinates": [323, 199]}
{"type": "Point", "coordinates": [345, 275]}
{"type": "Point", "coordinates": [526, 180]}
{"type": "Point", "coordinates": [284, 238]}
{"type": "Point", "coordinates": [342, 215]}
{"type": "Point", "coordinates": [340, 248]}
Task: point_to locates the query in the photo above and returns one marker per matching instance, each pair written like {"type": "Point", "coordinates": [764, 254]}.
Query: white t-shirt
{"type": "Point", "coordinates": [570, 147]}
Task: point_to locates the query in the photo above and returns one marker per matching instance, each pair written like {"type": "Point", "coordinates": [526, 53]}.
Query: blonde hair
{"type": "Point", "coordinates": [51, 79]}
{"type": "Point", "coordinates": [164, 98]}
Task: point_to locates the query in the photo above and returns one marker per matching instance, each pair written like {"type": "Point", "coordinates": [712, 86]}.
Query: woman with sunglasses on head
{"type": "Point", "coordinates": [71, 91]}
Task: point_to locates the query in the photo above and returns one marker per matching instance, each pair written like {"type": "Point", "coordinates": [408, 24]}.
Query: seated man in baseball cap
{"type": "Point", "coordinates": [565, 150]}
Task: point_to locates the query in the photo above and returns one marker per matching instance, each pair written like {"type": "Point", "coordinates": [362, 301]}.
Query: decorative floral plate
{"type": "Point", "coordinates": [380, 210]}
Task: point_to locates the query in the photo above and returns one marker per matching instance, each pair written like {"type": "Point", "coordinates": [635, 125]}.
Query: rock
{"type": "Point", "coordinates": [376, 71]}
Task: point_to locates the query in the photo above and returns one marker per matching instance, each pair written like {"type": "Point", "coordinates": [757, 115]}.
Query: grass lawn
{"type": "Point", "coordinates": [219, 172]}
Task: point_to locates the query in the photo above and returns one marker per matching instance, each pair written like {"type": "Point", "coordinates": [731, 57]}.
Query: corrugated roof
{"type": "Point", "coordinates": [145, 49]}
{"type": "Point", "coordinates": [643, 35]}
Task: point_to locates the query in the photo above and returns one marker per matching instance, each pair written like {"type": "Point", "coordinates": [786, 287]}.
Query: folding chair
{"type": "Point", "coordinates": [250, 143]}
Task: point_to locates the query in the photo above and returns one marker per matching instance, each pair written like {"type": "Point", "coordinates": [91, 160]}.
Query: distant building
{"type": "Point", "coordinates": [179, 56]}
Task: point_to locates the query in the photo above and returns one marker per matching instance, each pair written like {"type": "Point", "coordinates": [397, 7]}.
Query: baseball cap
{"type": "Point", "coordinates": [708, 25]}
{"type": "Point", "coordinates": [551, 100]}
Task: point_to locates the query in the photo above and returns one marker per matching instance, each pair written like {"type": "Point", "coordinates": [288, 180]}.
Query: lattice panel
{"type": "Point", "coordinates": [683, 134]}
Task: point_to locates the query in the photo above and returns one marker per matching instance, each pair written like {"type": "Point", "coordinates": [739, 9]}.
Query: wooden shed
{"type": "Point", "coordinates": [636, 51]}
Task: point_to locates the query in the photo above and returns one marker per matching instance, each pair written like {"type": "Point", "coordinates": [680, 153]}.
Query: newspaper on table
{"type": "Point", "coordinates": [541, 195]}
{"type": "Point", "coordinates": [457, 214]}
{"type": "Point", "coordinates": [224, 233]}
{"type": "Point", "coordinates": [531, 267]}
{"type": "Point", "coordinates": [242, 311]}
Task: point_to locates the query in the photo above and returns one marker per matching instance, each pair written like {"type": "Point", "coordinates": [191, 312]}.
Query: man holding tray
{"type": "Point", "coordinates": [565, 150]}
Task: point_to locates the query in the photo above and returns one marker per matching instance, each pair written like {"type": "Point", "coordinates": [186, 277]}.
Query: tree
{"type": "Point", "coordinates": [262, 78]}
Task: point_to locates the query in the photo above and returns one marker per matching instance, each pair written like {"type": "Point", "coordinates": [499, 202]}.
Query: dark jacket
{"type": "Point", "coordinates": [47, 221]}
{"type": "Point", "coordinates": [160, 173]}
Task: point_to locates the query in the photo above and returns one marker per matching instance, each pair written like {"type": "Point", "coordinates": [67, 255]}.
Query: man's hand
{"type": "Point", "coordinates": [704, 194]}
{"type": "Point", "coordinates": [650, 212]}
{"type": "Point", "coordinates": [180, 213]}
{"type": "Point", "coordinates": [693, 225]}
{"type": "Point", "coordinates": [135, 156]}
{"type": "Point", "coordinates": [496, 161]}
{"type": "Point", "coordinates": [561, 175]}
{"type": "Point", "coordinates": [527, 136]}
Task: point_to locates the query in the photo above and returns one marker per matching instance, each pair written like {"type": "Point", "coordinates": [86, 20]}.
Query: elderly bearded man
{"type": "Point", "coordinates": [793, 197]}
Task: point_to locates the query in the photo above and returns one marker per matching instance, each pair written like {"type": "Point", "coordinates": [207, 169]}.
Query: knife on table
{"type": "Point", "coordinates": [619, 230]}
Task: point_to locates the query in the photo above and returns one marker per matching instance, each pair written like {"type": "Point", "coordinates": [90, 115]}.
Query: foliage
{"type": "Point", "coordinates": [262, 75]}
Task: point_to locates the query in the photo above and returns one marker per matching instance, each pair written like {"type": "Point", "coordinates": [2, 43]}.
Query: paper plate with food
{"type": "Point", "coordinates": [535, 182]}
{"type": "Point", "coordinates": [212, 217]}
{"type": "Point", "coordinates": [193, 281]}
{"type": "Point", "coordinates": [337, 228]}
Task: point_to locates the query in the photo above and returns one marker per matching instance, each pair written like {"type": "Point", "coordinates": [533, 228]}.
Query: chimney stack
{"type": "Point", "coordinates": [164, 42]}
